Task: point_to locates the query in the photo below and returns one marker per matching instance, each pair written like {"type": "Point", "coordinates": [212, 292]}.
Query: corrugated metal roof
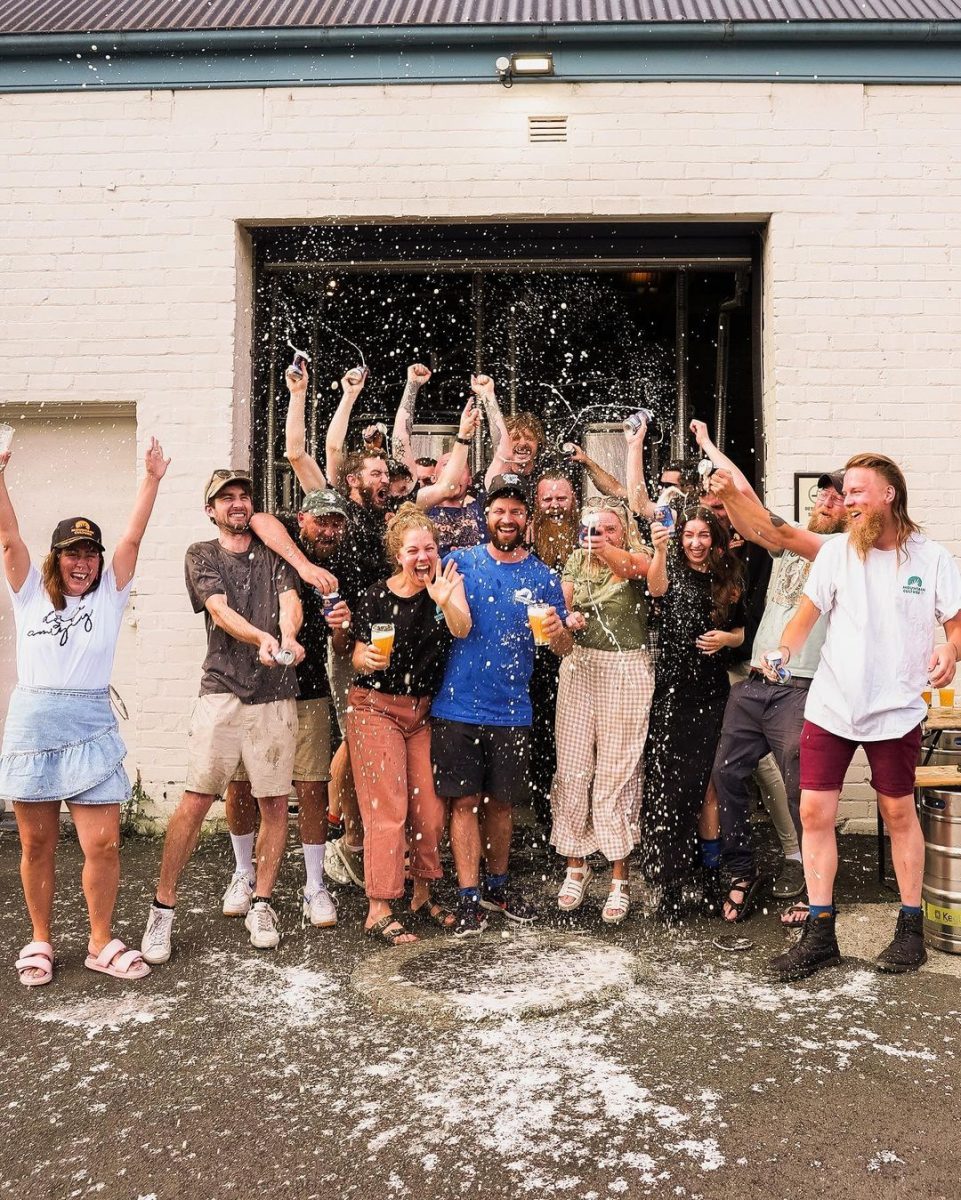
{"type": "Point", "coordinates": [89, 16]}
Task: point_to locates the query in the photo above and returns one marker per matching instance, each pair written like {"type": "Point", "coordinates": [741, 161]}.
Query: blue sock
{"type": "Point", "coordinates": [911, 910]}
{"type": "Point", "coordinates": [821, 910]}
{"type": "Point", "coordinates": [496, 883]}
{"type": "Point", "coordinates": [710, 852]}
{"type": "Point", "coordinates": [471, 893]}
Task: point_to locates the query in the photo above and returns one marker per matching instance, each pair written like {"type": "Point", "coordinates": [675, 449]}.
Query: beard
{"type": "Point", "coordinates": [865, 532]}
{"type": "Point", "coordinates": [554, 538]}
{"type": "Point", "coordinates": [823, 523]}
{"type": "Point", "coordinates": [508, 541]}
{"type": "Point", "coordinates": [375, 498]}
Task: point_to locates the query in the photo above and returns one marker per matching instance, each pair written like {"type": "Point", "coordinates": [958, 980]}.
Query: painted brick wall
{"type": "Point", "coordinates": [125, 277]}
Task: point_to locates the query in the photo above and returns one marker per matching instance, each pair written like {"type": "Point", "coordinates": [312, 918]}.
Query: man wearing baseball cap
{"type": "Point", "coordinates": [246, 711]}
{"type": "Point", "coordinates": [481, 715]}
{"type": "Point", "coordinates": [319, 528]}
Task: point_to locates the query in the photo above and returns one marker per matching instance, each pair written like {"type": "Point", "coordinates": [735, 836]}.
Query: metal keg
{"type": "Point", "coordinates": [946, 751]}
{"type": "Point", "coordinates": [941, 894]}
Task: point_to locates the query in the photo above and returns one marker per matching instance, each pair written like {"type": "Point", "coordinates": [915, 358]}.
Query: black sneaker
{"type": "Point", "coordinates": [816, 949]}
{"type": "Point", "coordinates": [906, 952]}
{"type": "Point", "coordinates": [671, 905]}
{"type": "Point", "coordinates": [471, 922]}
{"type": "Point", "coordinates": [713, 894]}
{"type": "Point", "coordinates": [510, 903]}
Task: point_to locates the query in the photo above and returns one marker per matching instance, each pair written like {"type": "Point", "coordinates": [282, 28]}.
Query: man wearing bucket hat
{"type": "Point", "coordinates": [246, 711]}
{"type": "Point", "coordinates": [480, 742]}
{"type": "Point", "coordinates": [319, 528]}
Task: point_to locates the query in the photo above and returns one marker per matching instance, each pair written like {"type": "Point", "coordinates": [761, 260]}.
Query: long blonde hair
{"type": "Point", "coordinates": [892, 475]}
{"type": "Point", "coordinates": [632, 539]}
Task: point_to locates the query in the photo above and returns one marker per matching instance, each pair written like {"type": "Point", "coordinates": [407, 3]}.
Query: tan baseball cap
{"type": "Point", "coordinates": [220, 479]}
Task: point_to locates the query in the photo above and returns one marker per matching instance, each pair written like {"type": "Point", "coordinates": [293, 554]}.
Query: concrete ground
{"type": "Point", "coordinates": [570, 1060]}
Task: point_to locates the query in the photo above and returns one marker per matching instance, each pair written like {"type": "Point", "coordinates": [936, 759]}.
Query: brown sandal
{"type": "Point", "coordinates": [432, 912]}
{"type": "Point", "coordinates": [381, 929]}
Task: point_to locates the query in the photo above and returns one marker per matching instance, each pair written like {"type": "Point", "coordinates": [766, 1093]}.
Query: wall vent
{"type": "Point", "coordinates": [547, 129]}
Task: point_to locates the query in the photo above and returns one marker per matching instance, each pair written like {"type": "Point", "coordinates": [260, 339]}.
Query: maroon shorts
{"type": "Point", "coordinates": [825, 758]}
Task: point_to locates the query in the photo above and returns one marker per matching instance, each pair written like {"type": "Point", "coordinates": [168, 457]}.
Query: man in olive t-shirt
{"type": "Point", "coordinates": [247, 707]}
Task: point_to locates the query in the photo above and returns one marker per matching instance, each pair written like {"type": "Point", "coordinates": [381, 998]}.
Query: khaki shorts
{"type": "Point", "coordinates": [312, 756]}
{"type": "Point", "coordinates": [224, 732]}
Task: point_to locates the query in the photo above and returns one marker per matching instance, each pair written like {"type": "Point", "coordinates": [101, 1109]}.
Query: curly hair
{"type": "Point", "coordinates": [407, 517]}
{"type": "Point", "coordinates": [526, 422]}
{"type": "Point", "coordinates": [727, 574]}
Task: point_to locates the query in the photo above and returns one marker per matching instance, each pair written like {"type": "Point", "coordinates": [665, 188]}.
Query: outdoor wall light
{"type": "Point", "coordinates": [523, 65]}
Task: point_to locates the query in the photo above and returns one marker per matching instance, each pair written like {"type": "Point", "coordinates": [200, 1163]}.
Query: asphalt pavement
{"type": "Point", "coordinates": [568, 1059]}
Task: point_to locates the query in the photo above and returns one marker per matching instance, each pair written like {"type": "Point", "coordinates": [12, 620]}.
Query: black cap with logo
{"type": "Point", "coordinates": [76, 529]}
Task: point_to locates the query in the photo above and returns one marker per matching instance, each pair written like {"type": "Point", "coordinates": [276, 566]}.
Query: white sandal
{"type": "Point", "coordinates": [618, 902]}
{"type": "Point", "coordinates": [573, 890]}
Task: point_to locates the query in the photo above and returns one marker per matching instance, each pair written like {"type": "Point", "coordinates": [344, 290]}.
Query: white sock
{"type": "Point", "coordinates": [314, 862]}
{"type": "Point", "coordinates": [793, 857]}
{"type": "Point", "coordinates": [243, 844]}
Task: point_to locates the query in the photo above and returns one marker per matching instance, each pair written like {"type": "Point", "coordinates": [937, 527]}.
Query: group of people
{"type": "Point", "coordinates": [635, 669]}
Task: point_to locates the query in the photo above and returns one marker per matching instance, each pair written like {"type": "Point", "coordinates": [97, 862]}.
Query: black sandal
{"type": "Point", "coordinates": [380, 929]}
{"type": "Point", "coordinates": [749, 889]}
{"type": "Point", "coordinates": [432, 912]}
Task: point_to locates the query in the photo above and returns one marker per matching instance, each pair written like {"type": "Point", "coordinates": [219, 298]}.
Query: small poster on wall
{"type": "Point", "coordinates": [805, 495]}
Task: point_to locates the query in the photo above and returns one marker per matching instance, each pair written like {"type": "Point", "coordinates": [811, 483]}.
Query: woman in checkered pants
{"type": "Point", "coordinates": [603, 700]}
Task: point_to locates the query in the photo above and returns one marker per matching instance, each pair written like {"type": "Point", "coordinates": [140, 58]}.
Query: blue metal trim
{"type": "Point", "coordinates": [804, 51]}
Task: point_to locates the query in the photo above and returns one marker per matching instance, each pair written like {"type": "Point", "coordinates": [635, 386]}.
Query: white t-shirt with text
{"type": "Point", "coordinates": [881, 614]}
{"type": "Point", "coordinates": [72, 648]}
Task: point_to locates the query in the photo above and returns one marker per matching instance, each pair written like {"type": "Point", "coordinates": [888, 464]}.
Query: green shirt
{"type": "Point", "coordinates": [616, 609]}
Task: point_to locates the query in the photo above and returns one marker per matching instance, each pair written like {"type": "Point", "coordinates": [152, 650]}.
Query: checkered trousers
{"type": "Point", "coordinates": [603, 703]}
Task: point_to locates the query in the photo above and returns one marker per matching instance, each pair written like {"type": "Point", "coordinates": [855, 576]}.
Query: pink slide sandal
{"type": "Point", "coordinates": [35, 956]}
{"type": "Point", "coordinates": [116, 960]}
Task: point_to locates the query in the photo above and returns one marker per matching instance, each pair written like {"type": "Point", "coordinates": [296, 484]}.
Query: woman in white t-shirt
{"type": "Point", "coordinates": [61, 741]}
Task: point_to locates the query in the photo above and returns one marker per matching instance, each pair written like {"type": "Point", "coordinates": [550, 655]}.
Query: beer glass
{"type": "Point", "coordinates": [927, 696]}
{"type": "Point", "coordinates": [946, 696]}
{"type": "Point", "coordinates": [382, 638]}
{"type": "Point", "coordinates": [535, 616]}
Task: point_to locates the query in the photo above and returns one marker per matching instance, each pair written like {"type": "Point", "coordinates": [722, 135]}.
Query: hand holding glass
{"type": "Point", "coordinates": [382, 639]}
{"type": "Point", "coordinates": [535, 617]}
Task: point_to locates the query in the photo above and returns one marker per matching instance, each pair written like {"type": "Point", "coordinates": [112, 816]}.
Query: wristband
{"type": "Point", "coordinates": [462, 441]}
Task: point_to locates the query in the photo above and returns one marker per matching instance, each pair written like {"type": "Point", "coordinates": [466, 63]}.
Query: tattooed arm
{"type": "Point", "coordinates": [758, 524]}
{"type": "Point", "coordinates": [401, 449]}
{"type": "Point", "coordinates": [352, 385]}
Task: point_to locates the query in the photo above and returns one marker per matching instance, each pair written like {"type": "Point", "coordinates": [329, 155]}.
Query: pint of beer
{"type": "Point", "coordinates": [946, 696]}
{"type": "Point", "coordinates": [382, 638]}
{"type": "Point", "coordinates": [535, 616]}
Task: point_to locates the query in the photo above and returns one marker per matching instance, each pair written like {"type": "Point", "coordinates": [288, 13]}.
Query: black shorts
{"type": "Point", "coordinates": [480, 760]}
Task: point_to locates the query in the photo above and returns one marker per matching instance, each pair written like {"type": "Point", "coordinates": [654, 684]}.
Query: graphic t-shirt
{"type": "Point", "coordinates": [421, 641]}
{"type": "Point", "coordinates": [252, 582]}
{"type": "Point", "coordinates": [459, 528]}
{"type": "Point", "coordinates": [881, 614]}
{"type": "Point", "coordinates": [72, 648]}
{"type": "Point", "coordinates": [488, 673]}
{"type": "Point", "coordinates": [788, 578]}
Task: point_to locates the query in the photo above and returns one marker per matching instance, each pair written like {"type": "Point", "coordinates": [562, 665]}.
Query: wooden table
{"type": "Point", "coordinates": [937, 777]}
{"type": "Point", "coordinates": [942, 718]}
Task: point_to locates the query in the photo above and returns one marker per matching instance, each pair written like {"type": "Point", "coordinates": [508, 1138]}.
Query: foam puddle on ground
{"type": "Point", "coordinates": [604, 1087]}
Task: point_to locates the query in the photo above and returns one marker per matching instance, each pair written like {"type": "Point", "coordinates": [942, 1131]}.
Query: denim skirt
{"type": "Point", "coordinates": [61, 744]}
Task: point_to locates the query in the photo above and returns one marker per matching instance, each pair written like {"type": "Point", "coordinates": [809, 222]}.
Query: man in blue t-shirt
{"type": "Point", "coordinates": [482, 712]}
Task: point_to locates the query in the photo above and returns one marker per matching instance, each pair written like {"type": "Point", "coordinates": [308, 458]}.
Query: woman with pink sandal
{"type": "Point", "coordinates": [61, 741]}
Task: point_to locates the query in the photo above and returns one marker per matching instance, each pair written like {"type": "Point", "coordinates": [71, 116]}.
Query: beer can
{"type": "Point", "coordinates": [296, 367]}
{"type": "Point", "coordinates": [638, 420]}
{"type": "Point", "coordinates": [285, 658]}
{"type": "Point", "coordinates": [775, 660]}
{"type": "Point", "coordinates": [331, 600]}
{"type": "Point", "coordinates": [705, 467]}
{"type": "Point", "coordinates": [567, 449]}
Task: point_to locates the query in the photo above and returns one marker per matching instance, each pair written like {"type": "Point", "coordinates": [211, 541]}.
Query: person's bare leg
{"type": "Point", "coordinates": [621, 869]}
{"type": "Point", "coordinates": [342, 787]}
{"type": "Point", "coordinates": [709, 822]}
{"type": "Point", "coordinates": [98, 829]}
{"type": "Point", "coordinates": [240, 808]}
{"type": "Point", "coordinates": [311, 812]}
{"type": "Point", "coordinates": [496, 829]}
{"type": "Point", "coordinates": [907, 845]}
{"type": "Point", "coordinates": [818, 815]}
{"type": "Point", "coordinates": [39, 828]}
{"type": "Point", "coordinates": [271, 842]}
{"type": "Point", "coordinates": [180, 841]}
{"type": "Point", "coordinates": [465, 841]}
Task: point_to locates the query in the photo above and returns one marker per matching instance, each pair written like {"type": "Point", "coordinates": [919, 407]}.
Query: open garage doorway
{"type": "Point", "coordinates": [581, 323]}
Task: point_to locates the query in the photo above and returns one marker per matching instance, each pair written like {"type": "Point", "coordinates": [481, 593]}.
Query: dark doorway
{"type": "Point", "coordinates": [579, 323]}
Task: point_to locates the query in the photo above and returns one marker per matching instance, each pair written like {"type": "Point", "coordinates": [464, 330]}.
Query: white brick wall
{"type": "Point", "coordinates": [124, 276]}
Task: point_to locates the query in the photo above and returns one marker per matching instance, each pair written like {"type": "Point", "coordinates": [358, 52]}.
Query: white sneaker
{"type": "Point", "coordinates": [320, 909]}
{"type": "Point", "coordinates": [237, 896]}
{"type": "Point", "coordinates": [333, 867]}
{"type": "Point", "coordinates": [155, 943]}
{"type": "Point", "coordinates": [261, 921]}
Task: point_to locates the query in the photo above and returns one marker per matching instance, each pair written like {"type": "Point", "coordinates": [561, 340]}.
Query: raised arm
{"type": "Point", "coordinates": [352, 385]}
{"type": "Point", "coordinates": [625, 564]}
{"type": "Point", "coordinates": [305, 466]}
{"type": "Point", "coordinates": [758, 524]}
{"type": "Point", "coordinates": [275, 537]}
{"type": "Point", "coordinates": [720, 459]}
{"type": "Point", "coordinates": [16, 557]}
{"type": "Point", "coordinates": [605, 483]}
{"type": "Point", "coordinates": [401, 448]}
{"type": "Point", "coordinates": [657, 578]}
{"type": "Point", "coordinates": [446, 589]}
{"type": "Point", "coordinates": [449, 481]}
{"type": "Point", "coordinates": [636, 490]}
{"type": "Point", "coordinates": [128, 548]}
